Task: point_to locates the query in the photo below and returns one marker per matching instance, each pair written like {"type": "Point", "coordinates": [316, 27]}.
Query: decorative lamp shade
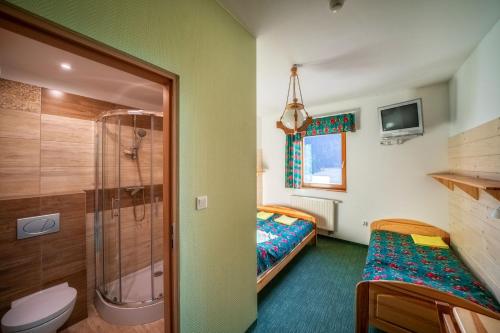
{"type": "Point", "coordinates": [295, 117]}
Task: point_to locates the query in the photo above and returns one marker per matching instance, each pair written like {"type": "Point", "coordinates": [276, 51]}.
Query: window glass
{"type": "Point", "coordinates": [323, 159]}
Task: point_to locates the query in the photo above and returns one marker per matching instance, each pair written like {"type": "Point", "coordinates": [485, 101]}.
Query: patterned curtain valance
{"type": "Point", "coordinates": [332, 124]}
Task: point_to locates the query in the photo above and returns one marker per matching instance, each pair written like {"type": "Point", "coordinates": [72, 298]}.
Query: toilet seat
{"type": "Point", "coordinates": [38, 308]}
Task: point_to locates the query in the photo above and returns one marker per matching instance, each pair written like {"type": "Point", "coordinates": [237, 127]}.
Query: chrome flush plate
{"type": "Point", "coordinates": [37, 225]}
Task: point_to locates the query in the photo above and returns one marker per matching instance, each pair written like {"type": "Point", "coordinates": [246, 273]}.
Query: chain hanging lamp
{"type": "Point", "coordinates": [295, 117]}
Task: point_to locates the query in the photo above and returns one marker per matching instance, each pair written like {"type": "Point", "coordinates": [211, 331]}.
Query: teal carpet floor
{"type": "Point", "coordinates": [315, 292]}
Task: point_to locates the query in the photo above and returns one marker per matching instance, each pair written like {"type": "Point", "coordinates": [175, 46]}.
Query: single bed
{"type": "Point", "coordinates": [410, 288]}
{"type": "Point", "coordinates": [283, 243]}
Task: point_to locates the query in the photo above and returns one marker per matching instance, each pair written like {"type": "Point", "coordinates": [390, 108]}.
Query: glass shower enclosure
{"type": "Point", "coordinates": [128, 216]}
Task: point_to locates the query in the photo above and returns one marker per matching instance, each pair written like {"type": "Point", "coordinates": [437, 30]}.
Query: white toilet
{"type": "Point", "coordinates": [42, 312]}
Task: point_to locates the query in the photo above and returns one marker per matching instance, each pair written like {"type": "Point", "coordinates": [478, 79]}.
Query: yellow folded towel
{"type": "Point", "coordinates": [434, 241]}
{"type": "Point", "coordinates": [264, 215]}
{"type": "Point", "coordinates": [283, 219]}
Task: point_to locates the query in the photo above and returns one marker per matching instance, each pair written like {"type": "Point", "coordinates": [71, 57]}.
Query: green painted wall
{"type": "Point", "coordinates": [215, 59]}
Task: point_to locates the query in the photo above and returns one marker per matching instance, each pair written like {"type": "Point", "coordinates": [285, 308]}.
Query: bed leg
{"type": "Point", "coordinates": [314, 240]}
{"type": "Point", "coordinates": [362, 307]}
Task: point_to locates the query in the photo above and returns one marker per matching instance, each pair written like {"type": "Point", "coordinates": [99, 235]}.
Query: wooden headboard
{"type": "Point", "coordinates": [404, 226]}
{"type": "Point", "coordinates": [288, 212]}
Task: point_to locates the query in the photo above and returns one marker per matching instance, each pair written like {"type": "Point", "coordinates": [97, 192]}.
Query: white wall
{"type": "Point", "coordinates": [382, 181]}
{"type": "Point", "coordinates": [475, 88]}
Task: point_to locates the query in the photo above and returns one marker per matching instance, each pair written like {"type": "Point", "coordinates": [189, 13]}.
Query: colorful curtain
{"type": "Point", "coordinates": [333, 124]}
{"type": "Point", "coordinates": [325, 125]}
{"type": "Point", "coordinates": [293, 170]}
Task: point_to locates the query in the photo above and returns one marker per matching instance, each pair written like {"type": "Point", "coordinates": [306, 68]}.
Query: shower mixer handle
{"type": "Point", "coordinates": [114, 211]}
{"type": "Point", "coordinates": [132, 152]}
{"type": "Point", "coordinates": [132, 190]}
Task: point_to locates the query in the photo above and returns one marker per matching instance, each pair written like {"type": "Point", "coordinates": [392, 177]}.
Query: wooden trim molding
{"type": "Point", "coordinates": [22, 22]}
{"type": "Point", "coordinates": [342, 187]}
{"type": "Point", "coordinates": [288, 212]}
{"type": "Point", "coordinates": [32, 26]}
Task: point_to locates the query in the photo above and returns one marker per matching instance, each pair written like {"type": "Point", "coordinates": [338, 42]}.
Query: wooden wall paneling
{"type": "Point", "coordinates": [66, 179]}
{"type": "Point", "coordinates": [29, 265]}
{"type": "Point", "coordinates": [74, 106]}
{"type": "Point", "coordinates": [20, 261]}
{"type": "Point", "coordinates": [63, 253]}
{"type": "Point", "coordinates": [19, 181]}
{"type": "Point", "coordinates": [19, 124]}
{"type": "Point", "coordinates": [474, 233]}
{"type": "Point", "coordinates": [90, 256]}
{"type": "Point", "coordinates": [19, 153]}
{"type": "Point", "coordinates": [19, 139]}
{"type": "Point", "coordinates": [65, 129]}
{"type": "Point", "coordinates": [484, 131]}
{"type": "Point", "coordinates": [67, 154]}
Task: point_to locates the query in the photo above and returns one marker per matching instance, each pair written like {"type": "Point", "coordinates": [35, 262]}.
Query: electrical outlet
{"type": "Point", "coordinates": [201, 202]}
{"type": "Point", "coordinates": [365, 223]}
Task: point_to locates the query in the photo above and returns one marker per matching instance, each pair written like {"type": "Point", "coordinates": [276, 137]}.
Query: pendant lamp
{"type": "Point", "coordinates": [295, 117]}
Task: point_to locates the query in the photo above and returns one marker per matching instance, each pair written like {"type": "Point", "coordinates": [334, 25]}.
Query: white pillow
{"type": "Point", "coordinates": [264, 236]}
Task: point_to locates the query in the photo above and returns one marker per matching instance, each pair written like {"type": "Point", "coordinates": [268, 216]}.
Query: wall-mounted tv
{"type": "Point", "coordinates": [401, 119]}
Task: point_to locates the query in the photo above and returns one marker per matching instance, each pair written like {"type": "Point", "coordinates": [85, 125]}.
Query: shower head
{"type": "Point", "coordinates": [141, 132]}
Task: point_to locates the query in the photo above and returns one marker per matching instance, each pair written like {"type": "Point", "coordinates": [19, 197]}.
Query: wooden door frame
{"type": "Point", "coordinates": [25, 23]}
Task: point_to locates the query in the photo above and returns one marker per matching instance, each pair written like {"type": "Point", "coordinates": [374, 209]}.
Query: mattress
{"type": "Point", "coordinates": [281, 240]}
{"type": "Point", "coordinates": [394, 256]}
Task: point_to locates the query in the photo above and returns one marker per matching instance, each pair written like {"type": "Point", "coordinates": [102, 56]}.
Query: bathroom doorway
{"type": "Point", "coordinates": [20, 22]}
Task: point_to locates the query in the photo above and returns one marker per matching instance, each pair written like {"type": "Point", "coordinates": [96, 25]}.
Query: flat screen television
{"type": "Point", "coordinates": [401, 119]}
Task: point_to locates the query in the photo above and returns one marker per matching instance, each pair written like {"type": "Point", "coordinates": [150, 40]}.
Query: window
{"type": "Point", "coordinates": [324, 161]}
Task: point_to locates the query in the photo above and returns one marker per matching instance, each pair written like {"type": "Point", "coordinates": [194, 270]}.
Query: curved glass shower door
{"type": "Point", "coordinates": [128, 201]}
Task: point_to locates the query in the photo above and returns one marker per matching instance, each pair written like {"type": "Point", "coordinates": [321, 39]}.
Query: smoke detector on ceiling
{"type": "Point", "coordinates": [336, 5]}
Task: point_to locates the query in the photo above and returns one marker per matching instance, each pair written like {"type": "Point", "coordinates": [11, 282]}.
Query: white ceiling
{"type": "Point", "coordinates": [26, 60]}
{"type": "Point", "coordinates": [367, 47]}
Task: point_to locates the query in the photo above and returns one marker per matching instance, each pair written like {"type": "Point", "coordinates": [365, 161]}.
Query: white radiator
{"type": "Point", "coordinates": [322, 209]}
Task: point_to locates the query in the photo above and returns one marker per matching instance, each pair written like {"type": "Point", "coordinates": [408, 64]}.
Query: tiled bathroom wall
{"type": "Point", "coordinates": [20, 109]}
{"type": "Point", "coordinates": [32, 264]}
{"type": "Point", "coordinates": [49, 138]}
{"type": "Point", "coordinates": [47, 165]}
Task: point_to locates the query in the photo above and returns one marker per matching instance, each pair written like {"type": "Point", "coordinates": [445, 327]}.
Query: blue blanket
{"type": "Point", "coordinates": [288, 237]}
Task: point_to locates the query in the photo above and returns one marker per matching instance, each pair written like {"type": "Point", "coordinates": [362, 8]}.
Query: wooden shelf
{"type": "Point", "coordinates": [470, 185]}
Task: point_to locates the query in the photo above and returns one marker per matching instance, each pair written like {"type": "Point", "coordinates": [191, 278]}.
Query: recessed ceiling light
{"type": "Point", "coordinates": [65, 66]}
{"type": "Point", "coordinates": [56, 93]}
{"type": "Point", "coordinates": [336, 5]}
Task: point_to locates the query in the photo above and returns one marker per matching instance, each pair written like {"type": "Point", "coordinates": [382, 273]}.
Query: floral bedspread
{"type": "Point", "coordinates": [272, 251]}
{"type": "Point", "coordinates": [393, 256]}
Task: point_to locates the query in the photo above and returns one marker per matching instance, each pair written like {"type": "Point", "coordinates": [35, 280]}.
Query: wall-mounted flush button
{"type": "Point", "coordinates": [37, 225]}
{"type": "Point", "coordinates": [201, 202]}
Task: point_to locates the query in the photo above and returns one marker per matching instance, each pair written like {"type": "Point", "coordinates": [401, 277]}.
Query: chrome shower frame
{"type": "Point", "coordinates": [100, 286]}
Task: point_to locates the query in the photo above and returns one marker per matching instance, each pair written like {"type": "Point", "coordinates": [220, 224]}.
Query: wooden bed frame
{"type": "Point", "coordinates": [399, 307]}
{"type": "Point", "coordinates": [267, 276]}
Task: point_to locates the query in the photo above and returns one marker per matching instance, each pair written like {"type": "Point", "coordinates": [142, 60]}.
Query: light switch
{"type": "Point", "coordinates": [201, 202]}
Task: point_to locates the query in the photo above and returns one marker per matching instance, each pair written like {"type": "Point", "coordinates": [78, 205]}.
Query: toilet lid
{"type": "Point", "coordinates": [38, 308]}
